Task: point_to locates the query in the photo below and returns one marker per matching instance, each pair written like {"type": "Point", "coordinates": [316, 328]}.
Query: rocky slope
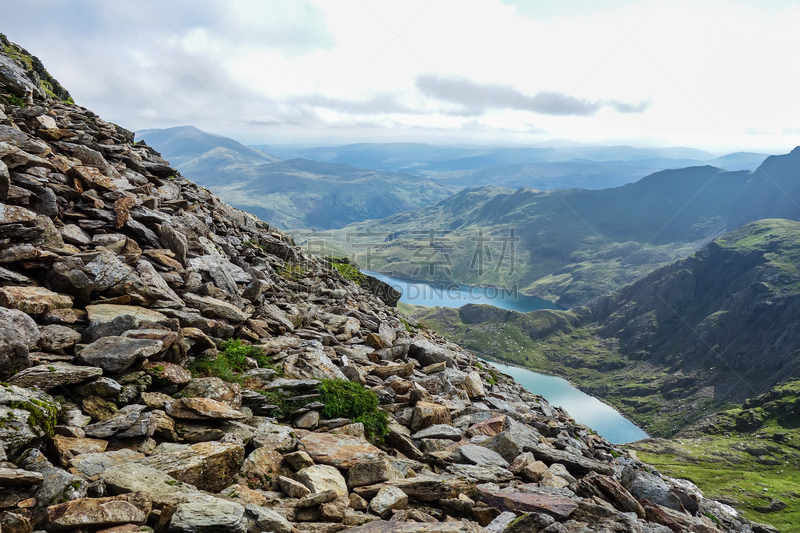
{"type": "Point", "coordinates": [128, 293]}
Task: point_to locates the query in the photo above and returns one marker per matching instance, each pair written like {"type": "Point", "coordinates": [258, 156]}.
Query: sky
{"type": "Point", "coordinates": [719, 74]}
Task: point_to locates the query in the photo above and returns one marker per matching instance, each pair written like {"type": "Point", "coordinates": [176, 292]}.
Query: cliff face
{"type": "Point", "coordinates": [174, 364]}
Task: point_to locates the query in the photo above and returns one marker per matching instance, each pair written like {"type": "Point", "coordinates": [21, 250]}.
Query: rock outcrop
{"type": "Point", "coordinates": [117, 275]}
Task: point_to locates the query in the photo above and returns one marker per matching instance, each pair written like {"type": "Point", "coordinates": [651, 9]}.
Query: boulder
{"type": "Point", "coordinates": [209, 516]}
{"type": "Point", "coordinates": [18, 334]}
{"type": "Point", "coordinates": [341, 451]}
{"type": "Point", "coordinates": [202, 409]}
{"type": "Point", "coordinates": [275, 437]}
{"type": "Point", "coordinates": [261, 467]}
{"type": "Point", "coordinates": [27, 414]}
{"type": "Point", "coordinates": [372, 472]}
{"type": "Point", "coordinates": [112, 511]}
{"type": "Point", "coordinates": [115, 354]}
{"type": "Point", "coordinates": [650, 487]}
{"type": "Point", "coordinates": [163, 489]}
{"type": "Point", "coordinates": [523, 502]}
{"type": "Point", "coordinates": [56, 338]}
{"type": "Point", "coordinates": [214, 389]}
{"type": "Point", "coordinates": [388, 498]}
{"type": "Point", "coordinates": [69, 447]}
{"type": "Point", "coordinates": [292, 488]}
{"type": "Point", "coordinates": [208, 465]}
{"type": "Point", "coordinates": [425, 487]}
{"type": "Point", "coordinates": [33, 300]}
{"type": "Point", "coordinates": [480, 456]}
{"type": "Point", "coordinates": [262, 519]}
{"type": "Point", "coordinates": [428, 353]}
{"type": "Point", "coordinates": [46, 377]}
{"type": "Point", "coordinates": [101, 313]}
{"type": "Point", "coordinates": [381, 526]}
{"type": "Point", "coordinates": [439, 431]}
{"type": "Point", "coordinates": [216, 307]}
{"type": "Point", "coordinates": [320, 478]}
{"type": "Point", "coordinates": [576, 464]}
{"type": "Point", "coordinates": [91, 465]}
{"type": "Point", "coordinates": [482, 474]}
{"type": "Point", "coordinates": [429, 414]}
{"type": "Point", "coordinates": [16, 477]}
{"type": "Point", "coordinates": [128, 422]}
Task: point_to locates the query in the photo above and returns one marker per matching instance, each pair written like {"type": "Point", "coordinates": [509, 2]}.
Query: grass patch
{"type": "Point", "coordinates": [346, 399]}
{"type": "Point", "coordinates": [232, 361]}
{"type": "Point", "coordinates": [723, 470]}
{"type": "Point", "coordinates": [350, 272]}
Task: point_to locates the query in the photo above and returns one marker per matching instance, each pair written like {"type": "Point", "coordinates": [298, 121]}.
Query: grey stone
{"type": "Point", "coordinates": [115, 354]}
{"type": "Point", "coordinates": [428, 353]}
{"type": "Point", "coordinates": [388, 498]}
{"type": "Point", "coordinates": [320, 478]}
{"type": "Point", "coordinates": [276, 437]}
{"type": "Point", "coordinates": [16, 477]}
{"type": "Point", "coordinates": [209, 516]}
{"type": "Point", "coordinates": [55, 338]}
{"type": "Point", "coordinates": [439, 431]}
{"type": "Point", "coordinates": [129, 421]}
{"type": "Point", "coordinates": [481, 456]}
{"type": "Point", "coordinates": [651, 488]}
{"type": "Point", "coordinates": [482, 474]}
{"type": "Point", "coordinates": [26, 414]}
{"type": "Point", "coordinates": [46, 377]}
{"type": "Point", "coordinates": [262, 519]}
{"type": "Point", "coordinates": [18, 334]}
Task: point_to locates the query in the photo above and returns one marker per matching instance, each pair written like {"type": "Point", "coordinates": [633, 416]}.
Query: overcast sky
{"type": "Point", "coordinates": [718, 74]}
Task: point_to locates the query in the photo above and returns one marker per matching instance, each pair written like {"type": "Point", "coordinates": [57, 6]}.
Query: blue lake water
{"type": "Point", "coordinates": [448, 294]}
{"type": "Point", "coordinates": [584, 408]}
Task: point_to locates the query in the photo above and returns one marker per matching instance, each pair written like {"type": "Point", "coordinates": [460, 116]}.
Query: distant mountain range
{"type": "Point", "coordinates": [331, 187]}
{"type": "Point", "coordinates": [574, 245]}
{"type": "Point", "coordinates": [425, 158]}
{"type": "Point", "coordinates": [291, 194]}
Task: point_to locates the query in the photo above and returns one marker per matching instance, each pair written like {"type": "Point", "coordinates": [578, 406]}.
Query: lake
{"type": "Point", "coordinates": [448, 294]}
{"type": "Point", "coordinates": [585, 409]}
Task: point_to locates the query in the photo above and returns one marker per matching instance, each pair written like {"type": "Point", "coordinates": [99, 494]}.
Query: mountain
{"type": "Point", "coordinates": [170, 360]}
{"type": "Point", "coordinates": [691, 338]}
{"type": "Point", "coordinates": [574, 245]}
{"type": "Point", "coordinates": [296, 193]}
{"type": "Point", "coordinates": [186, 143]}
{"type": "Point", "coordinates": [427, 159]}
{"type": "Point", "coordinates": [702, 353]}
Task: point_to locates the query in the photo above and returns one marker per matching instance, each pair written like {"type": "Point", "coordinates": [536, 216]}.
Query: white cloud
{"type": "Point", "coordinates": [348, 71]}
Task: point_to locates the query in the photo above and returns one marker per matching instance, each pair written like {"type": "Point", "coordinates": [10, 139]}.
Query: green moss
{"type": "Point", "coordinates": [346, 399]}
{"type": "Point", "coordinates": [41, 415]}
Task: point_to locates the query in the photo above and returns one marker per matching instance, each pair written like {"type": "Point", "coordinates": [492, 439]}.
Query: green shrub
{"type": "Point", "coordinates": [346, 399]}
{"type": "Point", "coordinates": [232, 361]}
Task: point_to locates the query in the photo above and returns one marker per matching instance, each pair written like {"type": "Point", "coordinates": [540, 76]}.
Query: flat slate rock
{"type": "Point", "coordinates": [382, 526]}
{"type": "Point", "coordinates": [341, 451]}
{"type": "Point", "coordinates": [523, 502]}
{"type": "Point", "coordinates": [46, 377]}
{"type": "Point", "coordinates": [115, 354]}
{"type": "Point", "coordinates": [16, 477]}
{"type": "Point", "coordinates": [438, 431]}
{"type": "Point", "coordinates": [480, 456]}
{"type": "Point", "coordinates": [576, 464]}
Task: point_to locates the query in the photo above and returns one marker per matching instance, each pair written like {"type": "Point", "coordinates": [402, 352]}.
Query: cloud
{"type": "Point", "coordinates": [473, 99]}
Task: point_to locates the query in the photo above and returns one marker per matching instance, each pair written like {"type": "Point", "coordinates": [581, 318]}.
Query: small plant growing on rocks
{"type": "Point", "coordinates": [346, 399]}
{"type": "Point", "coordinates": [232, 361]}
